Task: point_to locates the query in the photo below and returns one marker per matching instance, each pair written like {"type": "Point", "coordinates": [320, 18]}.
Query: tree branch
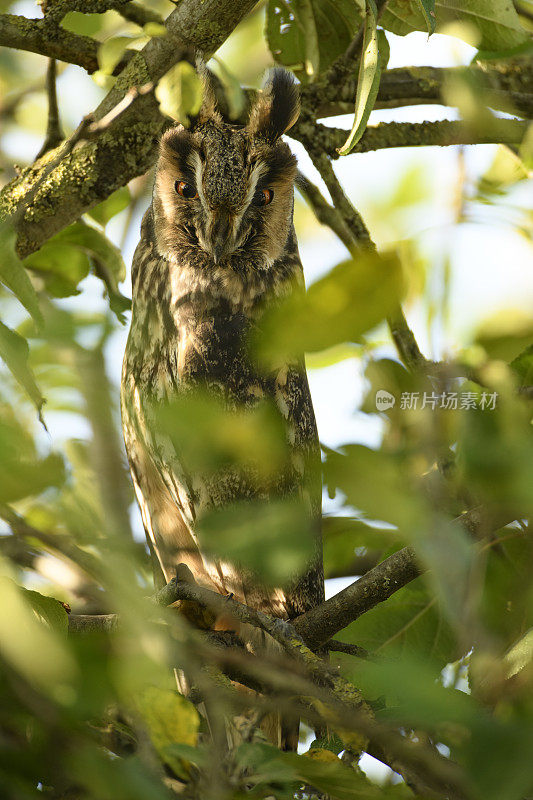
{"type": "Point", "coordinates": [56, 9]}
{"type": "Point", "coordinates": [507, 87]}
{"type": "Point", "coordinates": [54, 133]}
{"type": "Point", "coordinates": [408, 134]}
{"type": "Point", "coordinates": [48, 39]}
{"type": "Point", "coordinates": [321, 623]}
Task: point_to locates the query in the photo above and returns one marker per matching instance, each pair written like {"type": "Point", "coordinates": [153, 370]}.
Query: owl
{"type": "Point", "coordinates": [218, 250]}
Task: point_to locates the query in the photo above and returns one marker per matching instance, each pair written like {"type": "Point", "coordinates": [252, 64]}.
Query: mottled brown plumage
{"type": "Point", "coordinates": [218, 247]}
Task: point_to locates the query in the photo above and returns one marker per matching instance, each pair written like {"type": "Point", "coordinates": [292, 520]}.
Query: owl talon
{"type": "Point", "coordinates": [229, 596]}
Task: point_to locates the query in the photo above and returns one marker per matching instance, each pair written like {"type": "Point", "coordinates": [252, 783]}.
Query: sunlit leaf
{"type": "Point", "coordinates": [62, 267]}
{"type": "Point", "coordinates": [48, 610]}
{"type": "Point", "coordinates": [520, 655]}
{"type": "Point", "coordinates": [496, 21]}
{"type": "Point", "coordinates": [33, 648]}
{"type": "Point", "coordinates": [232, 88]}
{"type": "Point", "coordinates": [171, 719]}
{"type": "Point", "coordinates": [506, 334]}
{"type": "Point", "coordinates": [179, 92]}
{"type": "Point", "coordinates": [14, 276]}
{"type": "Point", "coordinates": [368, 79]}
{"type": "Point", "coordinates": [111, 51]}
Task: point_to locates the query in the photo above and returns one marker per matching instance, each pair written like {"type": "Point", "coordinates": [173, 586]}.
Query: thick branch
{"type": "Point", "coordinates": [56, 9]}
{"type": "Point", "coordinates": [47, 39]}
{"type": "Point", "coordinates": [320, 138]}
{"type": "Point", "coordinates": [507, 87]}
{"type": "Point", "coordinates": [128, 147]}
{"type": "Point", "coordinates": [318, 625]}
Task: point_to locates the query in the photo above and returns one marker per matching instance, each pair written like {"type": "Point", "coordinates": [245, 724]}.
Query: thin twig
{"type": "Point", "coordinates": [54, 132]}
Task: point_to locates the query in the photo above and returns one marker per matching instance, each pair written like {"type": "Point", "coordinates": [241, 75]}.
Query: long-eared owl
{"type": "Point", "coordinates": [217, 248]}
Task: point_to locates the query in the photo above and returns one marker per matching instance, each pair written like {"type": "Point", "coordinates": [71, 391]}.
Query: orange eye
{"type": "Point", "coordinates": [186, 190]}
{"type": "Point", "coordinates": [263, 197]}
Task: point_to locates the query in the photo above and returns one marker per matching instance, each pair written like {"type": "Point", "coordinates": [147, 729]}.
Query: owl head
{"type": "Point", "coordinates": [226, 191]}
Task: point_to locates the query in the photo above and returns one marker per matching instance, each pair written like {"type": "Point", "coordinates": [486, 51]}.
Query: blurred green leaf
{"type": "Point", "coordinates": [378, 483]}
{"type": "Point", "coordinates": [496, 21]}
{"type": "Point", "coordinates": [14, 352]}
{"type": "Point", "coordinates": [273, 539]}
{"type": "Point", "coordinates": [14, 276]}
{"type": "Point", "coordinates": [351, 299]}
{"type": "Point", "coordinates": [83, 24]}
{"type": "Point", "coordinates": [111, 51]}
{"type": "Point", "coordinates": [368, 79]}
{"type": "Point", "coordinates": [495, 454]}
{"type": "Point", "coordinates": [506, 169]}
{"type": "Point", "coordinates": [210, 437]}
{"type": "Point", "coordinates": [48, 610]}
{"type": "Point", "coordinates": [179, 92]}
{"type": "Point", "coordinates": [288, 25]}
{"type": "Point", "coordinates": [522, 365]}
{"type": "Point", "coordinates": [33, 648]}
{"type": "Point", "coordinates": [506, 334]}
{"type": "Point", "coordinates": [111, 206]}
{"type": "Point", "coordinates": [232, 89]}
{"type": "Point", "coordinates": [171, 719]}
{"type": "Point", "coordinates": [410, 624]}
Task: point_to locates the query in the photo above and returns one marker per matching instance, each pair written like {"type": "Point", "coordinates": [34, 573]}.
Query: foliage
{"type": "Point", "coordinates": [444, 665]}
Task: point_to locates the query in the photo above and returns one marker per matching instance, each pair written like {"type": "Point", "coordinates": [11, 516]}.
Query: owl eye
{"type": "Point", "coordinates": [186, 190]}
{"type": "Point", "coordinates": [263, 197]}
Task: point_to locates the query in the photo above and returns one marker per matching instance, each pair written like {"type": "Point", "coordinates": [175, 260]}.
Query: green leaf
{"type": "Point", "coordinates": [111, 206]}
{"type": "Point", "coordinates": [61, 265]}
{"type": "Point", "coordinates": [291, 27]}
{"type": "Point", "coordinates": [67, 258]}
{"type": "Point", "coordinates": [232, 89]}
{"type": "Point", "coordinates": [34, 649]}
{"type": "Point", "coordinates": [111, 51]}
{"type": "Point", "coordinates": [351, 299]}
{"type": "Point", "coordinates": [496, 21]}
{"type": "Point", "coordinates": [96, 245]}
{"type": "Point", "coordinates": [171, 719]}
{"type": "Point", "coordinates": [411, 624]}
{"type": "Point", "coordinates": [179, 92]}
{"type": "Point", "coordinates": [427, 8]}
{"type": "Point", "coordinates": [14, 352]}
{"type": "Point", "coordinates": [312, 53]}
{"type": "Point", "coordinates": [256, 535]}
{"type": "Point", "coordinates": [48, 610]}
{"type": "Point", "coordinates": [368, 80]}
{"type": "Point", "coordinates": [14, 276]}
{"type": "Point", "coordinates": [154, 29]}
{"type": "Point", "coordinates": [520, 654]}
{"type": "Point", "coordinates": [378, 483]}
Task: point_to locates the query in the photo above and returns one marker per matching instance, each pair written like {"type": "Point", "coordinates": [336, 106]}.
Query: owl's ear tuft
{"type": "Point", "coordinates": [277, 107]}
{"type": "Point", "coordinates": [208, 110]}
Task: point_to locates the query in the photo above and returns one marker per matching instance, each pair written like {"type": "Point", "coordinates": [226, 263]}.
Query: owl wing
{"type": "Point", "coordinates": [162, 490]}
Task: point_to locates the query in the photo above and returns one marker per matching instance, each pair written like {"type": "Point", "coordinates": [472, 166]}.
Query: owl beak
{"type": "Point", "coordinates": [221, 236]}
